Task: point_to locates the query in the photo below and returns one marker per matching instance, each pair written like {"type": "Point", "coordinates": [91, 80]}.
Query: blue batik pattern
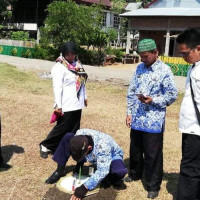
{"type": "Point", "coordinates": [105, 150]}
{"type": "Point", "coordinates": [156, 81]}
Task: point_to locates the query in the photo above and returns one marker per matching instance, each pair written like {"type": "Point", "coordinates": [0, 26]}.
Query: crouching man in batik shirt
{"type": "Point", "coordinates": [151, 90]}
{"type": "Point", "coordinates": [96, 148]}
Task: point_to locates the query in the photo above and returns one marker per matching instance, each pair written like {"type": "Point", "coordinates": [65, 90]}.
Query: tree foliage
{"type": "Point", "coordinates": [20, 35]}
{"type": "Point", "coordinates": [69, 21]}
{"type": "Point", "coordinates": [4, 12]}
{"type": "Point", "coordinates": [112, 34]}
{"type": "Point", "coordinates": [118, 5]}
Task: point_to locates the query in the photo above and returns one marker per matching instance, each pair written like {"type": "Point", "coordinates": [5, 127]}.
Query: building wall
{"type": "Point", "coordinates": [156, 28]}
{"type": "Point", "coordinates": [162, 23]}
{"type": "Point", "coordinates": [160, 39]}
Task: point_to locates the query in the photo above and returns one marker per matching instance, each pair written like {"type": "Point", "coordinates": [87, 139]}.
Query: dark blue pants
{"type": "Point", "coordinates": [189, 178]}
{"type": "Point", "coordinates": [117, 168]}
{"type": "Point", "coordinates": [62, 153]}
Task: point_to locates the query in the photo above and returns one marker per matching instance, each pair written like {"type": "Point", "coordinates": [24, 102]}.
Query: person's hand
{"type": "Point", "coordinates": [58, 111]}
{"type": "Point", "coordinates": [145, 99]}
{"type": "Point", "coordinates": [128, 120]}
{"type": "Point", "coordinates": [86, 102]}
{"type": "Point", "coordinates": [79, 193]}
{"type": "Point", "coordinates": [73, 197]}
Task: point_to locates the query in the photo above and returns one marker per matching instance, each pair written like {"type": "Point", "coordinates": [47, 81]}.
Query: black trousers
{"type": "Point", "coordinates": [189, 178]}
{"type": "Point", "coordinates": [69, 123]}
{"type": "Point", "coordinates": [1, 159]}
{"type": "Point", "coordinates": [146, 152]}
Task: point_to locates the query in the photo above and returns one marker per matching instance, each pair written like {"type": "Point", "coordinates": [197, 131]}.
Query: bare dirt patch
{"type": "Point", "coordinates": [26, 106]}
{"type": "Point", "coordinates": [123, 66]}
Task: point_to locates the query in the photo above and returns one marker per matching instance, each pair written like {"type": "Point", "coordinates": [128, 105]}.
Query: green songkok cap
{"type": "Point", "coordinates": [146, 45]}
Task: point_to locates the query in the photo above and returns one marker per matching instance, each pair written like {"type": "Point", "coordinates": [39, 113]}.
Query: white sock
{"type": "Point", "coordinates": [44, 149]}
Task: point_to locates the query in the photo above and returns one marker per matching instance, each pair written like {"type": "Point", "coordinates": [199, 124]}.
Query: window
{"type": "Point", "coordinates": [116, 21]}
{"type": "Point", "coordinates": [104, 19]}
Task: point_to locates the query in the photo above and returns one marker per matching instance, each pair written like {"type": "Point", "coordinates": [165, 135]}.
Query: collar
{"type": "Point", "coordinates": [197, 63]}
{"type": "Point", "coordinates": [153, 67]}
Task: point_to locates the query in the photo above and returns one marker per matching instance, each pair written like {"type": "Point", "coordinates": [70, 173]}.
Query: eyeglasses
{"type": "Point", "coordinates": [185, 54]}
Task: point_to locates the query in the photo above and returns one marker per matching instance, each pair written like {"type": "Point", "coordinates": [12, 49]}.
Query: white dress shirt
{"type": "Point", "coordinates": [188, 122]}
{"type": "Point", "coordinates": [64, 87]}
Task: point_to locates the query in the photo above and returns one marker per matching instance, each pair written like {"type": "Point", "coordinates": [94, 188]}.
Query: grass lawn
{"type": "Point", "coordinates": [26, 106]}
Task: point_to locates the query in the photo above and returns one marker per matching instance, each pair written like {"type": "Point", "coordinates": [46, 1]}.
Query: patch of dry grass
{"type": "Point", "coordinates": [26, 105]}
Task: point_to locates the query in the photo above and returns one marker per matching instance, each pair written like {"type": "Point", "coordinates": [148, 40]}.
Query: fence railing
{"type": "Point", "coordinates": [17, 48]}
{"type": "Point", "coordinates": [25, 52]}
{"type": "Point", "coordinates": [178, 65]}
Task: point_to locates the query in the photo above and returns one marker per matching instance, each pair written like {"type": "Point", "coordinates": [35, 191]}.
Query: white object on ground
{"type": "Point", "coordinates": [65, 184]}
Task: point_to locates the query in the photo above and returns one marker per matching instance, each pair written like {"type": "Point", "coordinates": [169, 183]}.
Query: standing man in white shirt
{"type": "Point", "coordinates": [189, 179]}
{"type": "Point", "coordinates": [69, 80]}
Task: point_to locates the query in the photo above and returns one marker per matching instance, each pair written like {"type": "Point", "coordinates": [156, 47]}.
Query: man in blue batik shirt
{"type": "Point", "coordinates": [94, 147]}
{"type": "Point", "coordinates": [151, 90]}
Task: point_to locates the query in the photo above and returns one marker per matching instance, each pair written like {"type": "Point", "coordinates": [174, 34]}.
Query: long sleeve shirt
{"type": "Point", "coordinates": [156, 81]}
{"type": "Point", "coordinates": [64, 87]}
{"type": "Point", "coordinates": [105, 150]}
{"type": "Point", "coordinates": [188, 122]}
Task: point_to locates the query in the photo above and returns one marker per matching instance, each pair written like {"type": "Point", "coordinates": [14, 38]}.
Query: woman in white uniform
{"type": "Point", "coordinates": [69, 80]}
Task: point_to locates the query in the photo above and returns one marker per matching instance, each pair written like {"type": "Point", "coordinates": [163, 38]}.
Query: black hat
{"type": "Point", "coordinates": [69, 46]}
{"type": "Point", "coordinates": [78, 147]}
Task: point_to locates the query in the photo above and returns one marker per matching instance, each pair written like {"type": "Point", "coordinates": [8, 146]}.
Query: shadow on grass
{"type": "Point", "coordinates": [172, 183]}
{"type": "Point", "coordinates": [107, 193]}
{"type": "Point", "coordinates": [8, 151]}
{"type": "Point", "coordinates": [171, 178]}
{"type": "Point", "coordinates": [55, 194]}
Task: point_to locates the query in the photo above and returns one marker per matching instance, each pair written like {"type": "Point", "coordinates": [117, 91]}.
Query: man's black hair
{"type": "Point", "coordinates": [189, 37]}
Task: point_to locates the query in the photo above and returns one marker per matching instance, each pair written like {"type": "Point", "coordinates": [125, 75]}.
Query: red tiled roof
{"type": "Point", "coordinates": [103, 2]}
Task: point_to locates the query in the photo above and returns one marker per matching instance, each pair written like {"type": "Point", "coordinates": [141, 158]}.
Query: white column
{"type": "Point", "coordinates": [167, 42]}
{"type": "Point", "coordinates": [38, 36]}
{"type": "Point", "coordinates": [128, 42]}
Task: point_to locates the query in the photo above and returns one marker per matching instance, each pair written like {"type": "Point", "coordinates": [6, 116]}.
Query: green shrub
{"type": "Point", "coordinates": [90, 57]}
{"type": "Point", "coordinates": [1, 49]}
{"type": "Point", "coordinates": [14, 51]}
{"type": "Point", "coordinates": [111, 34]}
{"type": "Point", "coordinates": [27, 54]}
{"type": "Point", "coordinates": [20, 35]}
{"type": "Point", "coordinates": [84, 56]}
{"type": "Point", "coordinates": [117, 52]}
{"type": "Point", "coordinates": [40, 53]}
{"type": "Point", "coordinates": [45, 52]}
